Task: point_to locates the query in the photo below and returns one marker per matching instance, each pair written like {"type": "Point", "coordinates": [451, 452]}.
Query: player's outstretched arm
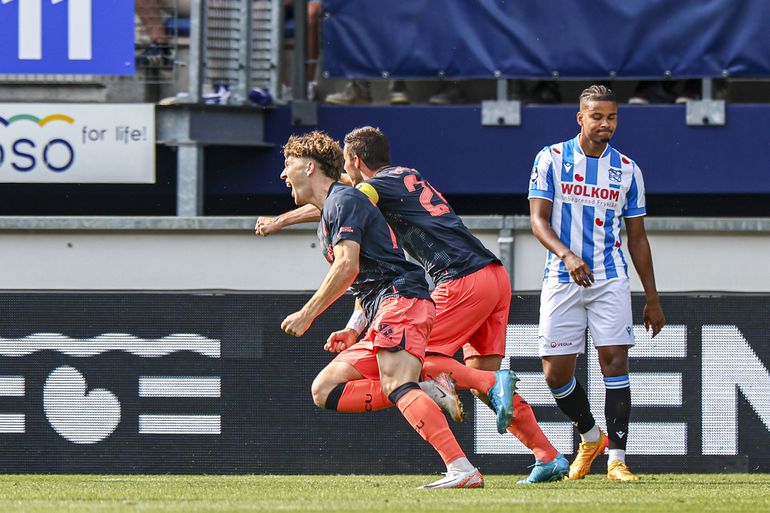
{"type": "Point", "coordinates": [539, 216]}
{"type": "Point", "coordinates": [641, 255]}
{"type": "Point", "coordinates": [341, 275]}
{"type": "Point", "coordinates": [305, 214]}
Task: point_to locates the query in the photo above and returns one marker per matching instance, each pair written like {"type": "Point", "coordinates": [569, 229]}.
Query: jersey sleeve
{"type": "Point", "coordinates": [384, 187]}
{"type": "Point", "coordinates": [636, 205]}
{"type": "Point", "coordinates": [541, 179]}
{"type": "Point", "coordinates": [370, 191]}
{"type": "Point", "coordinates": [347, 217]}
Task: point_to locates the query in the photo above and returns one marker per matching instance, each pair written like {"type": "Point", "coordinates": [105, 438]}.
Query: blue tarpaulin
{"type": "Point", "coordinates": [546, 38]}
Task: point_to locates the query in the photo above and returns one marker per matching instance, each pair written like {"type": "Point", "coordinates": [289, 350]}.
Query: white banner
{"type": "Point", "coordinates": [77, 143]}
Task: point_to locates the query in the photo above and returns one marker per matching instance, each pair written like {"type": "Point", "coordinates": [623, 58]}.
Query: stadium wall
{"type": "Point", "coordinates": [208, 383]}
{"type": "Point", "coordinates": [724, 255]}
{"type": "Point", "coordinates": [104, 369]}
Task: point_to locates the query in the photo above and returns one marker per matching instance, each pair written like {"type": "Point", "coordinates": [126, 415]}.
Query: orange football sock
{"type": "Point", "coordinates": [426, 418]}
{"type": "Point", "coordinates": [363, 395]}
{"type": "Point", "coordinates": [465, 377]}
{"type": "Point", "coordinates": [525, 427]}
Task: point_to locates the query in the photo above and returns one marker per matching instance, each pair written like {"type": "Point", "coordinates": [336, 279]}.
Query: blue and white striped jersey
{"type": "Point", "coordinates": [589, 197]}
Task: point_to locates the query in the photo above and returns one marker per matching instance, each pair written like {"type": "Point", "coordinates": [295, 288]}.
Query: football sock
{"type": "Point", "coordinates": [465, 377]}
{"type": "Point", "coordinates": [573, 401]}
{"type": "Point", "coordinates": [524, 426]}
{"type": "Point", "coordinates": [426, 418]}
{"type": "Point", "coordinates": [460, 465]}
{"type": "Point", "coordinates": [616, 455]}
{"type": "Point", "coordinates": [592, 435]}
{"type": "Point", "coordinates": [360, 395]}
{"type": "Point", "coordinates": [617, 409]}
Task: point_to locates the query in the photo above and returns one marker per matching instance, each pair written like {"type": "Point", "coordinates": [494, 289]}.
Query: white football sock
{"type": "Point", "coordinates": [591, 436]}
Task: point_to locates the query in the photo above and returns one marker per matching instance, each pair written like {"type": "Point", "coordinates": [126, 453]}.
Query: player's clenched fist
{"type": "Point", "coordinates": [267, 225]}
{"type": "Point", "coordinates": [296, 324]}
{"type": "Point", "coordinates": [341, 340]}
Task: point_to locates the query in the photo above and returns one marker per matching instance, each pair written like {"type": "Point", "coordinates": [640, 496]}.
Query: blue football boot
{"type": "Point", "coordinates": [554, 470]}
{"type": "Point", "coordinates": [501, 398]}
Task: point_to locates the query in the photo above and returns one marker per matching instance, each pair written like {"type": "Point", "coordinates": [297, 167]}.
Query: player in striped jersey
{"type": "Point", "coordinates": [579, 190]}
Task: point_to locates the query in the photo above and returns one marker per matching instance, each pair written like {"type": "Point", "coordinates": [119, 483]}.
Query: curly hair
{"type": "Point", "coordinates": [320, 147]}
{"type": "Point", "coordinates": [597, 93]}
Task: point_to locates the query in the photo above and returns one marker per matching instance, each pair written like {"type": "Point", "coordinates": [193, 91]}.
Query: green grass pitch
{"type": "Point", "coordinates": [667, 493]}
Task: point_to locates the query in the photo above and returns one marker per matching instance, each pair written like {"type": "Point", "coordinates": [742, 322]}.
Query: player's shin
{"type": "Point", "coordinates": [617, 409]}
{"type": "Point", "coordinates": [426, 418]}
{"type": "Point", "coordinates": [524, 426]}
{"type": "Point", "coordinates": [573, 401]}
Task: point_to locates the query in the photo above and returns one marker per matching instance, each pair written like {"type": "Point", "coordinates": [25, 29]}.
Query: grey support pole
{"type": "Point", "coordinates": [189, 175]}
{"type": "Point", "coordinates": [243, 86]}
{"type": "Point", "coordinates": [505, 242]}
{"type": "Point", "coordinates": [196, 69]}
{"type": "Point", "coordinates": [299, 85]}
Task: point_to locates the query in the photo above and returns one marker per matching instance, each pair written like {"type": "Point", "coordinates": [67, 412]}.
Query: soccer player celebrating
{"type": "Point", "coordinates": [472, 293]}
{"type": "Point", "coordinates": [579, 190]}
{"type": "Point", "coordinates": [391, 291]}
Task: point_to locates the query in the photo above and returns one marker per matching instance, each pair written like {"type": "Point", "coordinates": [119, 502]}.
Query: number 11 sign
{"type": "Point", "coordinates": [85, 37]}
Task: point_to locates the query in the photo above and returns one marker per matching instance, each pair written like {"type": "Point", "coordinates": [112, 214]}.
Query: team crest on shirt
{"type": "Point", "coordinates": [616, 175]}
{"type": "Point", "coordinates": [386, 330]}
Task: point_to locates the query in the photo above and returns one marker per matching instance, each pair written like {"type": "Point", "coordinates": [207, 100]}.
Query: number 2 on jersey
{"type": "Point", "coordinates": [426, 195]}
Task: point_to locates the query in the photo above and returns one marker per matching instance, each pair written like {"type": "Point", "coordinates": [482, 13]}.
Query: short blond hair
{"type": "Point", "coordinates": [320, 147]}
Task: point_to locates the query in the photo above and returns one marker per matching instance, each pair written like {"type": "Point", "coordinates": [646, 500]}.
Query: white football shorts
{"type": "Point", "coordinates": [566, 309]}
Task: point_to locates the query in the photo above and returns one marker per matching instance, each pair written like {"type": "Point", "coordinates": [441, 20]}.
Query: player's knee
{"type": "Point", "coordinates": [555, 378]}
{"type": "Point", "coordinates": [389, 385]}
{"type": "Point", "coordinates": [320, 392]}
{"type": "Point", "coordinates": [614, 364]}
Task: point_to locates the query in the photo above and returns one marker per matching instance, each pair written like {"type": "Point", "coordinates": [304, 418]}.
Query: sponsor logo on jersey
{"type": "Point", "coordinates": [588, 191]}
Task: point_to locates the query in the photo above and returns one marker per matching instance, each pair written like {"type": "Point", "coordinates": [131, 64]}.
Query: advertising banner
{"type": "Point", "coordinates": [73, 37]}
{"type": "Point", "coordinates": [77, 143]}
{"type": "Point", "coordinates": [208, 383]}
{"type": "Point", "coordinates": [546, 39]}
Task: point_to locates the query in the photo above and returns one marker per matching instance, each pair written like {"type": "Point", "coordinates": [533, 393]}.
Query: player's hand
{"type": "Point", "coordinates": [653, 317]}
{"type": "Point", "coordinates": [267, 225]}
{"type": "Point", "coordinates": [296, 324]}
{"type": "Point", "coordinates": [341, 340]}
{"type": "Point", "coordinates": [579, 270]}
